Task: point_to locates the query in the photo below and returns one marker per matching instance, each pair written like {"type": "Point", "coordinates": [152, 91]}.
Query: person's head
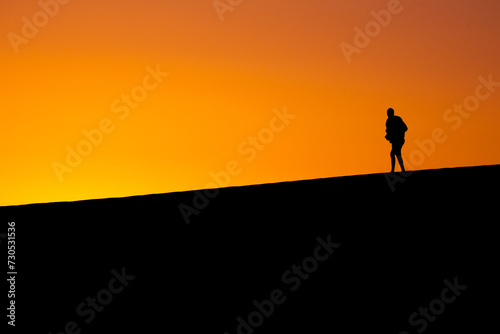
{"type": "Point", "coordinates": [390, 112]}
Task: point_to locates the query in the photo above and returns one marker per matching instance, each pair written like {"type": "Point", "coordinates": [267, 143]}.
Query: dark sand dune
{"type": "Point", "coordinates": [337, 255]}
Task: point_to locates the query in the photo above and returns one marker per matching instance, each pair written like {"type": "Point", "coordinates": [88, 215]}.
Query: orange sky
{"type": "Point", "coordinates": [227, 80]}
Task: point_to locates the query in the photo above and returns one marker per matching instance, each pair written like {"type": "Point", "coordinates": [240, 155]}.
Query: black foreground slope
{"type": "Point", "coordinates": [419, 259]}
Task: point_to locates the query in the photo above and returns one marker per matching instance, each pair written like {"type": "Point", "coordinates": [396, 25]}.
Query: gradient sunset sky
{"type": "Point", "coordinates": [69, 68]}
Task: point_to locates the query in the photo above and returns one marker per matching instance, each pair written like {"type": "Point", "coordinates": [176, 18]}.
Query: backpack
{"type": "Point", "coordinates": [402, 128]}
{"type": "Point", "coordinates": [397, 129]}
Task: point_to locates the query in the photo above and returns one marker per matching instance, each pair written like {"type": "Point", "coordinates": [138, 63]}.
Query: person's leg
{"type": "Point", "coordinates": [393, 160]}
{"type": "Point", "coordinates": [396, 152]}
{"type": "Point", "coordinates": [400, 160]}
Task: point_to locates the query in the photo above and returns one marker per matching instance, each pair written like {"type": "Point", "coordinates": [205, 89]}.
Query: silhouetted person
{"type": "Point", "coordinates": [395, 129]}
